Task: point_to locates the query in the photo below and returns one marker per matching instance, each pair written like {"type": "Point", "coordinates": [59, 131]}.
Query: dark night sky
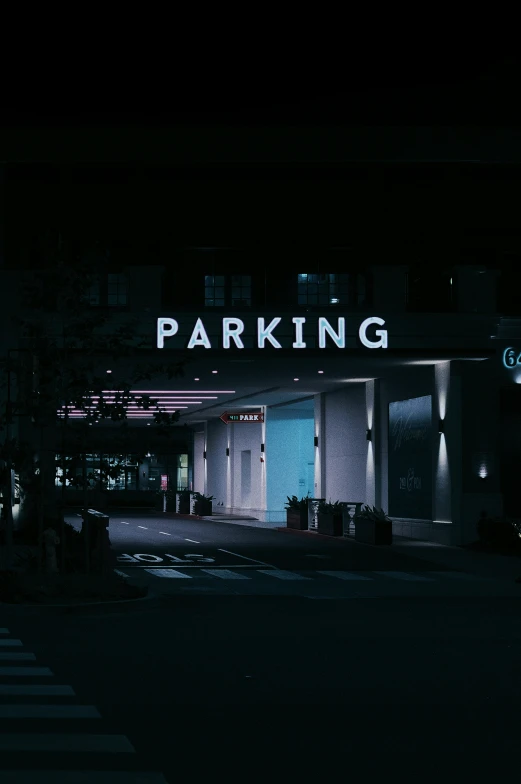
{"type": "Point", "coordinates": [394, 87]}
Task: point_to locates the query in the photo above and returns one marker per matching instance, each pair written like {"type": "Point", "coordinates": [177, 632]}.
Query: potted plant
{"type": "Point", "coordinates": [330, 520]}
{"type": "Point", "coordinates": [297, 513]}
{"type": "Point", "coordinates": [202, 504]}
{"type": "Point", "coordinates": [372, 526]}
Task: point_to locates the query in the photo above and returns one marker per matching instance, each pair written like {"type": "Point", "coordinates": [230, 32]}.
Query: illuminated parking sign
{"type": "Point", "coordinates": [232, 328]}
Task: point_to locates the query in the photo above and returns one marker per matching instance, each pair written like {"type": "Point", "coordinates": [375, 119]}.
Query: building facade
{"type": "Point", "coordinates": [382, 370]}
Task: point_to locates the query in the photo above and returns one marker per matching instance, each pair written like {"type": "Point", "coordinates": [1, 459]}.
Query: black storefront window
{"type": "Point", "coordinates": [227, 290]}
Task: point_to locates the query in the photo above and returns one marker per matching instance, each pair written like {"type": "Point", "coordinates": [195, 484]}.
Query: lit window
{"type": "Point", "coordinates": [214, 290]}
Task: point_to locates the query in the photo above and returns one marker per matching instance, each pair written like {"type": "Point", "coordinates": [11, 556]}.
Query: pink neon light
{"type": "Point", "coordinates": [175, 391]}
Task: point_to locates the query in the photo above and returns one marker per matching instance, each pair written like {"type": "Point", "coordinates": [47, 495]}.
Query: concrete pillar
{"type": "Point", "coordinates": [320, 451]}
{"type": "Point", "coordinates": [373, 462]}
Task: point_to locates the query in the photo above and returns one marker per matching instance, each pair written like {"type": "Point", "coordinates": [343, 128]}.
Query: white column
{"type": "Point", "coordinates": [264, 488]}
{"type": "Point", "coordinates": [320, 451]}
{"type": "Point", "coordinates": [373, 462]}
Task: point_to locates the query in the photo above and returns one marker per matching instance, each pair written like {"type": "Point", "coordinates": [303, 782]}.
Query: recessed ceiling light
{"type": "Point", "coordinates": [214, 371]}
{"type": "Point", "coordinates": [148, 424]}
{"type": "Point", "coordinates": [296, 379]}
{"type": "Point", "coordinates": [196, 379]}
{"type": "Point", "coordinates": [109, 371]}
{"type": "Point", "coordinates": [320, 371]}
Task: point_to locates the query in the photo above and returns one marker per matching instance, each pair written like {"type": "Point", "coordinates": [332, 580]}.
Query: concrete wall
{"type": "Point", "coordinates": [199, 463]}
{"type": "Point", "coordinates": [225, 474]}
{"type": "Point", "coordinates": [343, 444]}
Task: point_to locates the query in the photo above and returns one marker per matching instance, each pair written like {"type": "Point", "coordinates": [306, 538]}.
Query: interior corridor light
{"type": "Point", "coordinates": [369, 434]}
{"type": "Point", "coordinates": [316, 440]}
{"type": "Point", "coordinates": [441, 426]}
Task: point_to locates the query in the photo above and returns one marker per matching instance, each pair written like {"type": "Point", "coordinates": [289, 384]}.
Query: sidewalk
{"type": "Point", "coordinates": [490, 565]}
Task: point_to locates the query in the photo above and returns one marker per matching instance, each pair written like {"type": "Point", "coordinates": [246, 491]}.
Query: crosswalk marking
{"type": "Point", "coordinates": [11, 643]}
{"type": "Point", "coordinates": [49, 712]}
{"type": "Point", "coordinates": [226, 574]}
{"type": "Point", "coordinates": [17, 656]}
{"type": "Point", "coordinates": [345, 575]}
{"type": "Point", "coordinates": [282, 574]}
{"type": "Point", "coordinates": [65, 741]}
{"type": "Point", "coordinates": [405, 576]}
{"type": "Point", "coordinates": [28, 671]}
{"type": "Point", "coordinates": [167, 573]}
{"type": "Point", "coordinates": [36, 690]}
{"type": "Point", "coordinates": [81, 777]}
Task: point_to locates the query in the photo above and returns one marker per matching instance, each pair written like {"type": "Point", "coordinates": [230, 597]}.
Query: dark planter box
{"type": "Point", "coordinates": [373, 532]}
{"type": "Point", "coordinates": [184, 504]}
{"type": "Point", "coordinates": [297, 520]}
{"type": "Point", "coordinates": [170, 505]}
{"type": "Point", "coordinates": [203, 508]}
{"type": "Point", "coordinates": [330, 525]}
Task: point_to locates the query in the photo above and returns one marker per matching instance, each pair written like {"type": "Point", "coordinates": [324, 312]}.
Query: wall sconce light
{"type": "Point", "coordinates": [262, 447]}
{"type": "Point", "coordinates": [204, 455]}
{"type": "Point", "coordinates": [227, 451]}
{"type": "Point", "coordinates": [316, 440]}
{"type": "Point", "coordinates": [441, 425]}
{"type": "Point", "coordinates": [369, 434]}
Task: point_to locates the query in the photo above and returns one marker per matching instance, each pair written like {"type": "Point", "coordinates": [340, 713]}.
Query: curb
{"type": "Point", "coordinates": [315, 533]}
{"type": "Point", "coordinates": [110, 603]}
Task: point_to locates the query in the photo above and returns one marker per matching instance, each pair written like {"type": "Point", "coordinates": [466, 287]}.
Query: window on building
{"type": "Point", "coordinates": [323, 289]}
{"type": "Point", "coordinates": [241, 290]}
{"type": "Point", "coordinates": [111, 289]}
{"type": "Point", "coordinates": [221, 290]}
{"type": "Point", "coordinates": [117, 289]}
{"type": "Point", "coordinates": [214, 290]}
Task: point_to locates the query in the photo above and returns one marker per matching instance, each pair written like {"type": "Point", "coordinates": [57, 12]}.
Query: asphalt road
{"type": "Point", "coordinates": [236, 686]}
{"type": "Point", "coordinates": [186, 556]}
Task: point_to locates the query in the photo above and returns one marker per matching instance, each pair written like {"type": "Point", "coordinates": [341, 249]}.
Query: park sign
{"type": "Point", "coordinates": [232, 329]}
{"type": "Point", "coordinates": [242, 416]}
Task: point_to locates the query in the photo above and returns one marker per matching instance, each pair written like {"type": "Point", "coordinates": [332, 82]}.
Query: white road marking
{"type": "Point", "coordinates": [14, 711]}
{"type": "Point", "coordinates": [282, 574]}
{"type": "Point", "coordinates": [26, 671]}
{"type": "Point", "coordinates": [63, 741]}
{"type": "Point", "coordinates": [81, 777]}
{"type": "Point", "coordinates": [36, 690]}
{"type": "Point", "coordinates": [193, 541]}
{"type": "Point", "coordinates": [344, 575]}
{"type": "Point", "coordinates": [417, 578]}
{"type": "Point", "coordinates": [143, 527]}
{"type": "Point", "coordinates": [17, 657]}
{"type": "Point", "coordinates": [122, 523]}
{"type": "Point", "coordinates": [167, 573]}
{"type": "Point", "coordinates": [121, 574]}
{"type": "Point", "coordinates": [237, 555]}
{"type": "Point", "coordinates": [11, 643]}
{"type": "Point", "coordinates": [165, 533]}
{"type": "Point", "coordinates": [226, 574]}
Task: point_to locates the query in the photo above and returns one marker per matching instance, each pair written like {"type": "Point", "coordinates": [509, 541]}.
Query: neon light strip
{"type": "Point", "coordinates": [174, 391]}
